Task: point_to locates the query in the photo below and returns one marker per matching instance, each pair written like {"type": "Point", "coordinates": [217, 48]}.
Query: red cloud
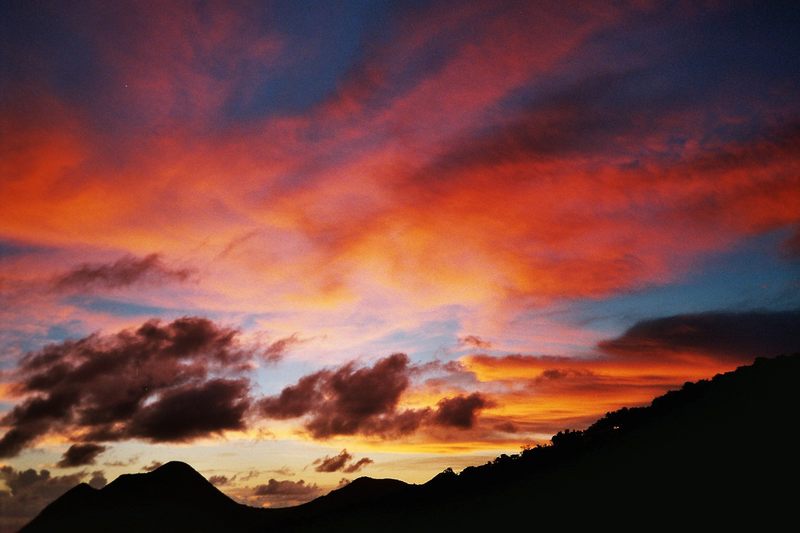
{"type": "Point", "coordinates": [571, 193]}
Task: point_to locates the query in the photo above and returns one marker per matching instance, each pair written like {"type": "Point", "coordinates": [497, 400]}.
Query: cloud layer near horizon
{"type": "Point", "coordinates": [191, 378]}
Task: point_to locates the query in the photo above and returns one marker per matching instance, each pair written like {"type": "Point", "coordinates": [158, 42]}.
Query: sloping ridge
{"type": "Point", "coordinates": [175, 482]}
{"type": "Point", "coordinates": [173, 497]}
{"type": "Point", "coordinates": [718, 452]}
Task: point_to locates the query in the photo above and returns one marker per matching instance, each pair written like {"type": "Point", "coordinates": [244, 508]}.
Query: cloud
{"type": "Point", "coordinates": [572, 170]}
{"type": "Point", "coordinates": [506, 427]}
{"type": "Point", "coordinates": [349, 400]}
{"type": "Point", "coordinates": [155, 382]}
{"type": "Point", "coordinates": [274, 486]}
{"type": "Point", "coordinates": [277, 349]}
{"type": "Point", "coordinates": [536, 396]}
{"type": "Point", "coordinates": [282, 471]}
{"type": "Point", "coordinates": [191, 411]}
{"type": "Point", "coordinates": [98, 479]}
{"type": "Point", "coordinates": [739, 336]}
{"type": "Point", "coordinates": [332, 464]}
{"type": "Point", "coordinates": [358, 465]}
{"type": "Point", "coordinates": [286, 493]}
{"type": "Point", "coordinates": [475, 342]}
{"type": "Point", "coordinates": [124, 272]}
{"type": "Point", "coordinates": [460, 411]}
{"type": "Point", "coordinates": [574, 211]}
{"type": "Point", "coordinates": [81, 454]}
{"type": "Point", "coordinates": [585, 239]}
{"type": "Point", "coordinates": [220, 480]}
{"type": "Point", "coordinates": [574, 120]}
{"type": "Point", "coordinates": [543, 394]}
{"type": "Point", "coordinates": [352, 400]}
{"type": "Point", "coordinates": [127, 462]}
{"type": "Point", "coordinates": [295, 400]}
{"type": "Point", "coordinates": [29, 492]}
{"type": "Point", "coordinates": [339, 463]}
{"type": "Point", "coordinates": [152, 466]}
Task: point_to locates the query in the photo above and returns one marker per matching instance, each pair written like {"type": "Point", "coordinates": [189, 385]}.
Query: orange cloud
{"type": "Point", "coordinates": [544, 393]}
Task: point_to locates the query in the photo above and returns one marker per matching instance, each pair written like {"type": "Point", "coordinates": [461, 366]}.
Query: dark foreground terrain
{"type": "Point", "coordinates": [714, 454]}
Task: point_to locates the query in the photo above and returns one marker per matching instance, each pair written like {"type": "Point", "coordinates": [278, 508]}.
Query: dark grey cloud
{"type": "Point", "coordinates": [126, 271]}
{"type": "Point", "coordinates": [341, 462]}
{"type": "Point", "coordinates": [349, 400]}
{"type": "Point", "coordinates": [81, 454]}
{"type": "Point", "coordinates": [182, 380]}
{"type": "Point", "coordinates": [726, 335]}
{"type": "Point", "coordinates": [358, 465]}
{"type": "Point", "coordinates": [159, 382]}
{"type": "Point", "coordinates": [332, 464]}
{"type": "Point", "coordinates": [29, 492]}
{"type": "Point", "coordinates": [273, 486]}
{"type": "Point", "coordinates": [192, 411]}
{"type": "Point", "coordinates": [295, 400]}
{"type": "Point", "coordinates": [286, 492]}
{"type": "Point", "coordinates": [152, 466]}
{"type": "Point", "coordinates": [98, 479]}
{"type": "Point", "coordinates": [459, 411]}
{"type": "Point", "coordinates": [127, 462]}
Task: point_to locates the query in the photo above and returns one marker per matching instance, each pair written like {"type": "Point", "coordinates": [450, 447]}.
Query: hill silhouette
{"type": "Point", "coordinates": [715, 453]}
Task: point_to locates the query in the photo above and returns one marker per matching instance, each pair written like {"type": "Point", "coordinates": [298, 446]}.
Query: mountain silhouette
{"type": "Point", "coordinates": [716, 453]}
{"type": "Point", "coordinates": [174, 497]}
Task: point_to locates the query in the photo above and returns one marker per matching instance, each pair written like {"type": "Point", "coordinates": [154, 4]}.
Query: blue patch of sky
{"type": "Point", "coordinates": [271, 378]}
{"type": "Point", "coordinates": [323, 42]}
{"type": "Point", "coordinates": [129, 309]}
{"type": "Point", "coordinates": [16, 342]}
{"type": "Point", "coordinates": [63, 330]}
{"type": "Point", "coordinates": [10, 249]}
{"type": "Point", "coordinates": [432, 339]}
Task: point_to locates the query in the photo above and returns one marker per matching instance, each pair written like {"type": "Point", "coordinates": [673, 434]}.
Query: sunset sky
{"type": "Point", "coordinates": [252, 235]}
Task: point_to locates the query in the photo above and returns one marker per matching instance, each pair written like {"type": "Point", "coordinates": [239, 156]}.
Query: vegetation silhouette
{"type": "Point", "coordinates": [716, 453]}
